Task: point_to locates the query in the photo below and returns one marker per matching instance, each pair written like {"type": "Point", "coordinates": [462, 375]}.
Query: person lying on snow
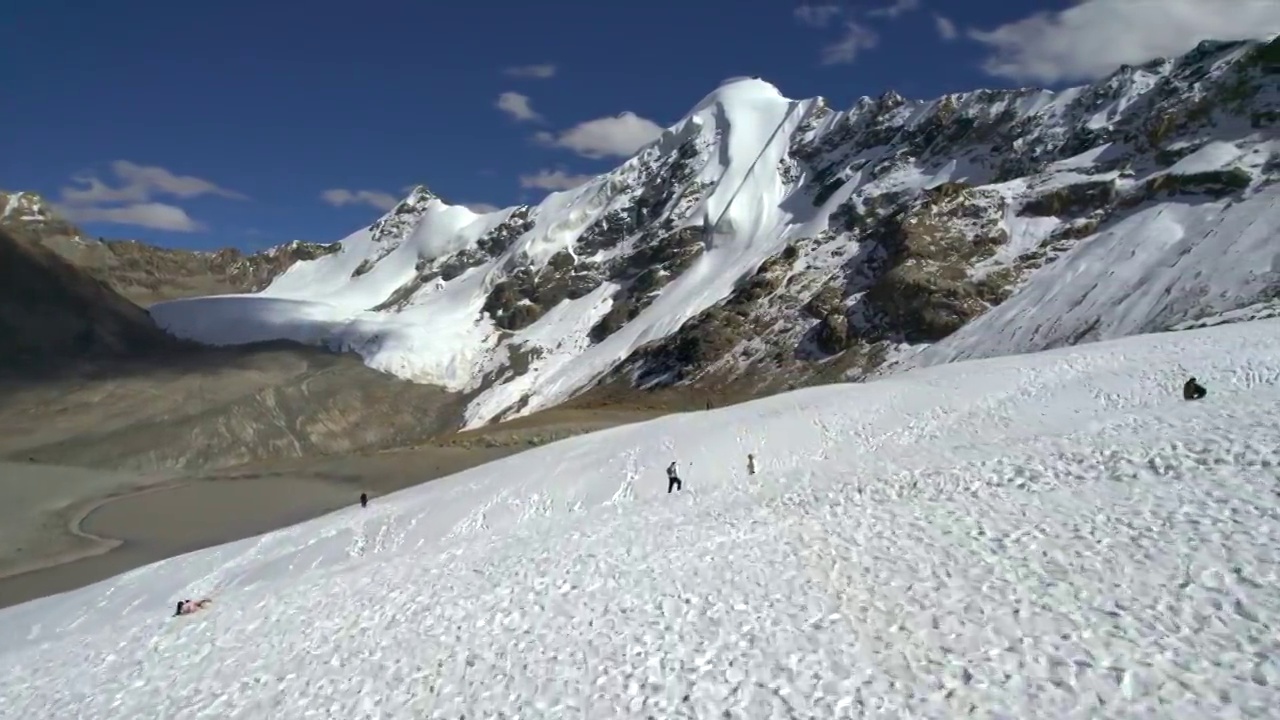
{"type": "Point", "coordinates": [1193, 390]}
{"type": "Point", "coordinates": [186, 607]}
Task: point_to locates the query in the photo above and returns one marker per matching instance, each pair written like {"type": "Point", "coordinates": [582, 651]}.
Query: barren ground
{"type": "Point", "coordinates": [224, 446]}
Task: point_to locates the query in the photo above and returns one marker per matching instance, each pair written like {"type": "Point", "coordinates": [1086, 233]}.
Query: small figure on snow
{"type": "Point", "coordinates": [186, 607]}
{"type": "Point", "coordinates": [1193, 390]}
{"type": "Point", "coordinates": [364, 499]}
{"type": "Point", "coordinates": [751, 464]}
{"type": "Point", "coordinates": [673, 480]}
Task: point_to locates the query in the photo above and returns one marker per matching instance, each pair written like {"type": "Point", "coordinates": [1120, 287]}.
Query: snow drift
{"type": "Point", "coordinates": [1057, 534]}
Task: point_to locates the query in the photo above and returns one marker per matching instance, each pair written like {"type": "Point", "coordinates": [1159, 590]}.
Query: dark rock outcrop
{"type": "Point", "coordinates": [53, 314]}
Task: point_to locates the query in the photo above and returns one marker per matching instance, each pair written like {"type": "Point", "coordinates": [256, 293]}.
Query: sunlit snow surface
{"type": "Point", "coordinates": [1052, 535]}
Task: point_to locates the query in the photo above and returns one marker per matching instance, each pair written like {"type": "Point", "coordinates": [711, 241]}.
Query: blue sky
{"type": "Point", "coordinates": [237, 123]}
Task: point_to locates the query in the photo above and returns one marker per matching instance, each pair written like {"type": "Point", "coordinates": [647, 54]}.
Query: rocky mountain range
{"type": "Point", "coordinates": [143, 273]}
{"type": "Point", "coordinates": [51, 313]}
{"type": "Point", "coordinates": [763, 243]}
{"type": "Point", "coordinates": [88, 378]}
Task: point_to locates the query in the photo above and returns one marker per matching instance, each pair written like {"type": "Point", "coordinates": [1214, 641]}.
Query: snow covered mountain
{"type": "Point", "coordinates": [1049, 535]}
{"type": "Point", "coordinates": [763, 242]}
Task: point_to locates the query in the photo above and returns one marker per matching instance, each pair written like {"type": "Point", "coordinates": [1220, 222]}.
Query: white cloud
{"type": "Point", "coordinates": [899, 7]}
{"type": "Point", "coordinates": [619, 136]}
{"type": "Point", "coordinates": [816, 15]}
{"type": "Point", "coordinates": [946, 28]}
{"type": "Point", "coordinates": [132, 197]}
{"type": "Point", "coordinates": [540, 72]}
{"type": "Point", "coordinates": [856, 38]}
{"type": "Point", "coordinates": [138, 183]}
{"type": "Point", "coordinates": [1095, 37]}
{"type": "Point", "coordinates": [553, 180]}
{"type": "Point", "coordinates": [479, 207]}
{"type": "Point", "coordinates": [338, 197]}
{"type": "Point", "coordinates": [158, 216]}
{"type": "Point", "coordinates": [517, 106]}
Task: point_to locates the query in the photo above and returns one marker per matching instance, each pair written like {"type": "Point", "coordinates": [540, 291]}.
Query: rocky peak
{"type": "Point", "coordinates": [30, 215]}
{"type": "Point", "coordinates": [406, 215]}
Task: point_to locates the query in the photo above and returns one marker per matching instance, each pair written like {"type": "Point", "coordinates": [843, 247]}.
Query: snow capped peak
{"type": "Point", "coordinates": [419, 194]}
{"type": "Point", "coordinates": [890, 100]}
{"type": "Point", "coordinates": [745, 86]}
{"type": "Point", "coordinates": [794, 241]}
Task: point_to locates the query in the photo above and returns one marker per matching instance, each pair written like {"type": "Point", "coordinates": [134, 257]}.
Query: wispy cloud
{"type": "Point", "coordinates": [132, 197]}
{"type": "Point", "coordinates": [816, 15]}
{"type": "Point", "coordinates": [946, 28]}
{"type": "Point", "coordinates": [856, 38]}
{"type": "Point", "coordinates": [1094, 37]}
{"type": "Point", "coordinates": [339, 197]}
{"type": "Point", "coordinates": [899, 7]}
{"type": "Point", "coordinates": [618, 136]}
{"type": "Point", "coordinates": [553, 180]}
{"type": "Point", "coordinates": [538, 72]}
{"type": "Point", "coordinates": [139, 183]}
{"type": "Point", "coordinates": [517, 106]}
{"type": "Point", "coordinates": [154, 215]}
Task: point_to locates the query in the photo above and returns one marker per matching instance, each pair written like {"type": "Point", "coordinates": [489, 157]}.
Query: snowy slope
{"type": "Point", "coordinates": [1049, 535]}
{"type": "Point", "coordinates": [765, 241]}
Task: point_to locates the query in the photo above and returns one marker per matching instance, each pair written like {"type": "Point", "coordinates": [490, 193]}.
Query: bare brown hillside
{"type": "Point", "coordinates": [143, 273]}
{"type": "Point", "coordinates": [52, 314]}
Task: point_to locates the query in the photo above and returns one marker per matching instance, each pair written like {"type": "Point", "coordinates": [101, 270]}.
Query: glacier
{"type": "Point", "coordinates": [1054, 534]}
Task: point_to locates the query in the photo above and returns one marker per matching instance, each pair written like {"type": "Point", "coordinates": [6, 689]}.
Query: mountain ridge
{"type": "Point", "coordinates": [145, 273]}
{"type": "Point", "coordinates": [763, 242]}
{"type": "Point", "coordinates": [53, 315]}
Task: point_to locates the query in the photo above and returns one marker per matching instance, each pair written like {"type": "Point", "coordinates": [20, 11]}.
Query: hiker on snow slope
{"type": "Point", "coordinates": [673, 480]}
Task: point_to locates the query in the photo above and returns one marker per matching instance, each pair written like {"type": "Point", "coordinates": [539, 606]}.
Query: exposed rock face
{"type": "Point", "coordinates": [403, 218]}
{"type": "Point", "coordinates": [927, 292]}
{"type": "Point", "coordinates": [638, 266]}
{"type": "Point", "coordinates": [144, 273]}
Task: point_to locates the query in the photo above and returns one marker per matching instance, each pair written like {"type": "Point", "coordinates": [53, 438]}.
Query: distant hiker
{"type": "Point", "coordinates": [708, 404]}
{"type": "Point", "coordinates": [186, 607]}
{"type": "Point", "coordinates": [673, 480]}
{"type": "Point", "coordinates": [751, 464]}
{"type": "Point", "coordinates": [364, 500]}
{"type": "Point", "coordinates": [1193, 390]}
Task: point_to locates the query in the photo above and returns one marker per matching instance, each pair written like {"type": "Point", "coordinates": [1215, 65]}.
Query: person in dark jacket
{"type": "Point", "coordinates": [364, 500]}
{"type": "Point", "coordinates": [1193, 390]}
{"type": "Point", "coordinates": [673, 480]}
